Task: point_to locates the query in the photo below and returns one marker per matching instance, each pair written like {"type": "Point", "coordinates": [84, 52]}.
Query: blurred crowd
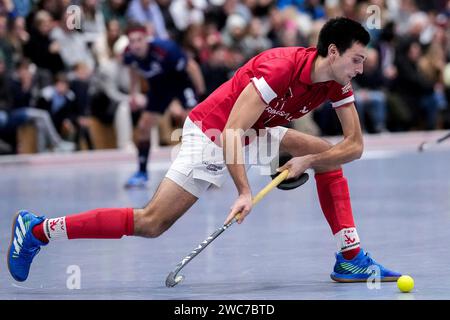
{"type": "Point", "coordinates": [60, 60]}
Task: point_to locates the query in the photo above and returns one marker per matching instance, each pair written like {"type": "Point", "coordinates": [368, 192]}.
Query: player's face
{"type": "Point", "coordinates": [349, 64]}
{"type": "Point", "coordinates": [138, 43]}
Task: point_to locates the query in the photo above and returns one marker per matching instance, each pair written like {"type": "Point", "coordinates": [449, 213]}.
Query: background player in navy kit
{"type": "Point", "coordinates": [170, 74]}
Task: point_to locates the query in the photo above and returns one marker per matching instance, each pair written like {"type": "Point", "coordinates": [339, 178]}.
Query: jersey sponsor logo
{"type": "Point", "coordinates": [305, 110]}
{"type": "Point", "coordinates": [277, 110]}
{"type": "Point", "coordinates": [212, 167]}
{"type": "Point", "coordinates": [274, 111]}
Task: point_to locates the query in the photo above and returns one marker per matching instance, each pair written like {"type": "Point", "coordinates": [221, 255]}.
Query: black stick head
{"type": "Point", "coordinates": [293, 183]}
{"type": "Point", "coordinates": [422, 147]}
{"type": "Point", "coordinates": [172, 280]}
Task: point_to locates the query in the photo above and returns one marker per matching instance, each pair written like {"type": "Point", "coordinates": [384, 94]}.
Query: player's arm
{"type": "Point", "coordinates": [349, 149]}
{"type": "Point", "coordinates": [195, 73]}
{"type": "Point", "coordinates": [248, 108]}
{"type": "Point", "coordinates": [134, 86]}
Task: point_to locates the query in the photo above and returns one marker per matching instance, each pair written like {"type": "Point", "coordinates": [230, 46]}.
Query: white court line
{"type": "Point", "coordinates": [381, 154]}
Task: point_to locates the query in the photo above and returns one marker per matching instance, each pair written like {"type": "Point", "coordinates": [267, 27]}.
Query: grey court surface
{"type": "Point", "coordinates": [284, 250]}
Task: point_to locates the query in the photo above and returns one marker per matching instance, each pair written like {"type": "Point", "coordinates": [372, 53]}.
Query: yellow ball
{"type": "Point", "coordinates": [405, 283]}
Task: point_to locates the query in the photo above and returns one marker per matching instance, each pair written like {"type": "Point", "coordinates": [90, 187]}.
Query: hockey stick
{"type": "Point", "coordinates": [425, 145]}
{"type": "Point", "coordinates": [173, 279]}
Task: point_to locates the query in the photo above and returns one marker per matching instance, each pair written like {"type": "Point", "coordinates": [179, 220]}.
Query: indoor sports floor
{"type": "Point", "coordinates": [284, 249]}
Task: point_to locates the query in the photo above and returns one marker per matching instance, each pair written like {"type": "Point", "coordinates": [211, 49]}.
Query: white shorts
{"type": "Point", "coordinates": [200, 161]}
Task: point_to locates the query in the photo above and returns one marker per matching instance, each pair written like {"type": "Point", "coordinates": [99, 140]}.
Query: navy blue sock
{"type": "Point", "coordinates": [143, 152]}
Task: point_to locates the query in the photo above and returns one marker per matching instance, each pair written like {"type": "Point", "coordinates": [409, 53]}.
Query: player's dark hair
{"type": "Point", "coordinates": [342, 32]}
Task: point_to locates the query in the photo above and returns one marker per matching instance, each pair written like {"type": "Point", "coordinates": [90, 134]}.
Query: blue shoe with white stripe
{"type": "Point", "coordinates": [360, 268]}
{"type": "Point", "coordinates": [24, 245]}
{"type": "Point", "coordinates": [137, 180]}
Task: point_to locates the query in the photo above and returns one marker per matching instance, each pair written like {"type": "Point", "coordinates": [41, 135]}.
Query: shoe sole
{"type": "Point", "coordinates": [344, 280]}
{"type": "Point", "coordinates": [10, 246]}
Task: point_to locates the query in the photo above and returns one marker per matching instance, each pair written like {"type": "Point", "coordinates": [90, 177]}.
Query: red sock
{"type": "Point", "coordinates": [94, 224]}
{"type": "Point", "coordinates": [101, 224]}
{"type": "Point", "coordinates": [38, 232]}
{"type": "Point", "coordinates": [334, 198]}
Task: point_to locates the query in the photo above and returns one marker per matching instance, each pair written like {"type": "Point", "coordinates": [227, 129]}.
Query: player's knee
{"type": "Point", "coordinates": [143, 130]}
{"type": "Point", "coordinates": [151, 224]}
{"type": "Point", "coordinates": [155, 227]}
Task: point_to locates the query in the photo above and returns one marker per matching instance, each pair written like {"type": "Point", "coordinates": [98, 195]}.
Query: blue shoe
{"type": "Point", "coordinates": [360, 268]}
{"type": "Point", "coordinates": [137, 180]}
{"type": "Point", "coordinates": [24, 245]}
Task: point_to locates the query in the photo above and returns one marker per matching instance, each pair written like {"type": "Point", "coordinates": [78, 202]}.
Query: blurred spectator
{"type": "Point", "coordinates": [217, 69]}
{"type": "Point", "coordinates": [369, 94]}
{"type": "Point", "coordinates": [259, 8]}
{"type": "Point", "coordinates": [362, 10]}
{"type": "Point", "coordinates": [55, 8]}
{"type": "Point", "coordinates": [93, 23]}
{"type": "Point", "coordinates": [313, 8]}
{"type": "Point", "coordinates": [115, 10]}
{"type": "Point", "coordinates": [420, 27]}
{"type": "Point", "coordinates": [23, 85]}
{"type": "Point", "coordinates": [59, 101]}
{"type": "Point", "coordinates": [277, 24]}
{"type": "Point", "coordinates": [432, 65]}
{"type": "Point", "coordinates": [41, 49]}
{"type": "Point", "coordinates": [255, 41]}
{"type": "Point", "coordinates": [298, 4]}
{"type": "Point", "coordinates": [402, 13]}
{"type": "Point", "coordinates": [79, 84]}
{"type": "Point", "coordinates": [5, 103]}
{"type": "Point", "coordinates": [212, 34]}
{"type": "Point", "coordinates": [15, 110]}
{"type": "Point", "coordinates": [22, 8]}
{"type": "Point", "coordinates": [186, 12]}
{"type": "Point", "coordinates": [164, 6]}
{"type": "Point", "coordinates": [414, 88]}
{"type": "Point", "coordinates": [348, 8]}
{"type": "Point", "coordinates": [18, 37]}
{"type": "Point", "coordinates": [110, 97]}
{"type": "Point", "coordinates": [291, 36]}
{"type": "Point", "coordinates": [6, 7]}
{"type": "Point", "coordinates": [147, 12]}
{"type": "Point", "coordinates": [5, 45]}
{"type": "Point", "coordinates": [235, 31]}
{"type": "Point", "coordinates": [103, 47]}
{"type": "Point", "coordinates": [236, 58]}
{"type": "Point", "coordinates": [221, 10]}
{"type": "Point", "coordinates": [399, 116]}
{"type": "Point", "coordinates": [72, 47]}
